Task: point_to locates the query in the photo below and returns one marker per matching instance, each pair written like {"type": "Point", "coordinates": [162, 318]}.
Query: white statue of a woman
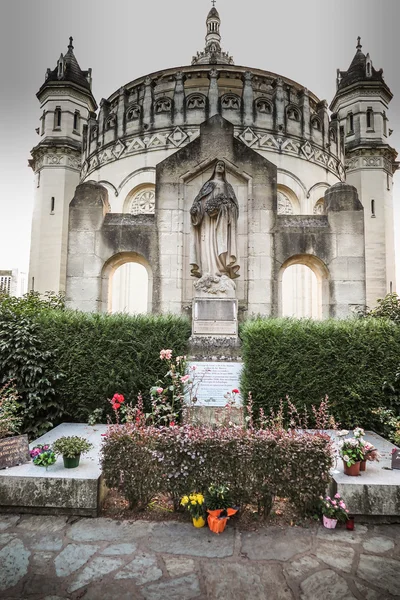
{"type": "Point", "coordinates": [214, 216]}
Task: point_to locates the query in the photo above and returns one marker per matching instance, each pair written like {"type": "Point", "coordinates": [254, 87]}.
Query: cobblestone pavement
{"type": "Point", "coordinates": [54, 558]}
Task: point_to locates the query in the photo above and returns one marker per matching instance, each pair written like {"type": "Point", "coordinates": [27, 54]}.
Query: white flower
{"type": "Point", "coordinates": [346, 458]}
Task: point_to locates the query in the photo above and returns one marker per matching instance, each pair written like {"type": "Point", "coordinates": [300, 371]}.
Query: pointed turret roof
{"type": "Point", "coordinates": [213, 53]}
{"type": "Point", "coordinates": [357, 70]}
{"type": "Point", "coordinates": [68, 71]}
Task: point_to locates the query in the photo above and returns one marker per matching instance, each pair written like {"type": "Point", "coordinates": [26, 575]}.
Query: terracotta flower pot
{"type": "Point", "coordinates": [353, 471]}
{"type": "Point", "coordinates": [363, 465]}
{"type": "Point", "coordinates": [200, 522]}
{"type": "Point", "coordinates": [329, 523]}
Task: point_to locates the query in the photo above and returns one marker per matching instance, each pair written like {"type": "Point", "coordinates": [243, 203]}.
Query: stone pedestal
{"type": "Point", "coordinates": [215, 317]}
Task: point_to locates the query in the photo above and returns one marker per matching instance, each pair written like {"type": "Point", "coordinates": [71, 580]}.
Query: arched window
{"type": "Point", "coordinates": [373, 215]}
{"type": "Point", "coordinates": [57, 117]}
{"type": "Point", "coordinates": [141, 201]}
{"type": "Point", "coordinates": [304, 288]}
{"type": "Point", "coordinates": [370, 118]}
{"type": "Point", "coordinates": [129, 289]}
{"type": "Point", "coordinates": [288, 202]}
{"type": "Point", "coordinates": [319, 207]}
{"type": "Point", "coordinates": [77, 119]}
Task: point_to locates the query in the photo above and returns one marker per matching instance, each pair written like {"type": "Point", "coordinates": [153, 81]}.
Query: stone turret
{"type": "Point", "coordinates": [212, 53]}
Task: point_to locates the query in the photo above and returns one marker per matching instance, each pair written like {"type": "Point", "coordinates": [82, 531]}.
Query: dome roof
{"type": "Point", "coordinates": [213, 14]}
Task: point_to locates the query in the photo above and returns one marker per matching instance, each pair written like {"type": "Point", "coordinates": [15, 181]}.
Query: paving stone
{"type": "Point", "coordinates": [6, 537]}
{"type": "Point", "coordinates": [369, 594]}
{"type": "Point", "coordinates": [42, 563]}
{"type": "Point", "coordinates": [177, 566]}
{"type": "Point", "coordinates": [343, 535]}
{"type": "Point", "coordinates": [112, 590]}
{"type": "Point", "coordinates": [299, 568]}
{"type": "Point", "coordinates": [118, 549]}
{"type": "Point", "coordinates": [37, 584]}
{"type": "Point", "coordinates": [7, 521]}
{"type": "Point", "coordinates": [381, 571]}
{"type": "Point", "coordinates": [45, 523]}
{"type": "Point", "coordinates": [227, 580]}
{"type": "Point", "coordinates": [96, 569]}
{"type": "Point", "coordinates": [143, 569]}
{"type": "Point", "coordinates": [338, 556]}
{"type": "Point", "coordinates": [95, 530]}
{"type": "Point", "coordinates": [184, 588]}
{"type": "Point", "coordinates": [182, 538]}
{"type": "Point", "coordinates": [276, 544]}
{"type": "Point", "coordinates": [378, 545]}
{"type": "Point", "coordinates": [54, 598]}
{"type": "Point", "coordinates": [48, 543]}
{"type": "Point", "coordinates": [72, 558]}
{"type": "Point", "coordinates": [327, 585]}
{"type": "Point", "coordinates": [14, 560]}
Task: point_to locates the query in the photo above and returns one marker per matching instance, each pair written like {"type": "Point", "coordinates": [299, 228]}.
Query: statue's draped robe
{"type": "Point", "coordinates": [213, 243]}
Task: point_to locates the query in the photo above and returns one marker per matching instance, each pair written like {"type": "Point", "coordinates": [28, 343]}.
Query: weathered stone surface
{"type": "Point", "coordinates": [327, 585]}
{"type": "Point", "coordinates": [370, 594]}
{"type": "Point", "coordinates": [298, 569]}
{"type": "Point", "coordinates": [383, 572]}
{"type": "Point", "coordinates": [338, 556]}
{"type": "Point", "coordinates": [96, 569]}
{"type": "Point", "coordinates": [73, 557]}
{"type": "Point", "coordinates": [184, 588]}
{"type": "Point", "coordinates": [343, 535]}
{"type": "Point", "coordinates": [40, 583]}
{"type": "Point", "coordinates": [6, 537]}
{"type": "Point", "coordinates": [42, 563]}
{"type": "Point", "coordinates": [14, 451]}
{"type": "Point", "coordinates": [90, 530]}
{"type": "Point", "coordinates": [226, 580]}
{"type": "Point", "coordinates": [112, 590]}
{"type": "Point", "coordinates": [39, 523]}
{"type": "Point", "coordinates": [378, 545]}
{"type": "Point", "coordinates": [51, 543]}
{"type": "Point", "coordinates": [177, 538]}
{"type": "Point", "coordinates": [275, 544]}
{"type": "Point", "coordinates": [118, 549]}
{"type": "Point", "coordinates": [7, 521]}
{"type": "Point", "coordinates": [143, 569]}
{"type": "Point", "coordinates": [177, 566]}
{"type": "Point", "coordinates": [14, 560]}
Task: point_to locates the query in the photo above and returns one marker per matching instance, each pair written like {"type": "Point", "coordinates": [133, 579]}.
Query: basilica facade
{"type": "Point", "coordinates": [115, 185]}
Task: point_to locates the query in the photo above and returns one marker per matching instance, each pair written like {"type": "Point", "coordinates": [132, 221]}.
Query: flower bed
{"type": "Point", "coordinates": [256, 465]}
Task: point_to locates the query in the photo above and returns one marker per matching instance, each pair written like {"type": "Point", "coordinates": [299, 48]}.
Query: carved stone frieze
{"type": "Point", "coordinates": [44, 157]}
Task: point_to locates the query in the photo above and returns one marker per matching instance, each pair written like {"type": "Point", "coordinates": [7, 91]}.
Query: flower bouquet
{"type": "Point", "coordinates": [351, 451]}
{"type": "Point", "coordinates": [194, 503]}
{"type": "Point", "coordinates": [43, 456]}
{"type": "Point", "coordinates": [333, 510]}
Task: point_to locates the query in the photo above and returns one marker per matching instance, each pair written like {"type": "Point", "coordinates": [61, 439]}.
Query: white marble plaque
{"type": "Point", "coordinates": [213, 380]}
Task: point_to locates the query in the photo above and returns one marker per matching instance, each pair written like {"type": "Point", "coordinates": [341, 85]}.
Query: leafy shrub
{"type": "Point", "coordinates": [71, 446]}
{"type": "Point", "coordinates": [307, 360]}
{"type": "Point", "coordinates": [253, 464]}
{"type": "Point", "coordinates": [10, 420]}
{"type": "Point", "coordinates": [387, 308]}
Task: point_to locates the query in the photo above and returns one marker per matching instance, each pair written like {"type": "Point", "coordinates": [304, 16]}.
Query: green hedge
{"type": "Point", "coordinates": [99, 355]}
{"type": "Point", "coordinates": [347, 360]}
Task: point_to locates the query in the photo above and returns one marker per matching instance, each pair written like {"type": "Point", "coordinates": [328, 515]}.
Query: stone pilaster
{"type": "Point", "coordinates": [148, 102]}
{"type": "Point", "coordinates": [305, 104]}
{"type": "Point", "coordinates": [179, 99]}
{"type": "Point", "coordinates": [121, 112]}
{"type": "Point", "coordinates": [248, 99]}
{"type": "Point", "coordinates": [213, 93]}
{"type": "Point", "coordinates": [280, 105]}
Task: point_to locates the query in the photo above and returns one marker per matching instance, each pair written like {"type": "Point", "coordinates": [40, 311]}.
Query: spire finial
{"type": "Point", "coordinates": [213, 3]}
{"type": "Point", "coordinates": [359, 46]}
{"type": "Point", "coordinates": [70, 46]}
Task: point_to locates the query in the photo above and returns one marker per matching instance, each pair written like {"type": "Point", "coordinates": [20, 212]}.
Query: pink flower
{"type": "Point", "coordinates": [159, 390]}
{"type": "Point", "coordinates": [184, 378]}
{"type": "Point", "coordinates": [337, 495]}
{"type": "Point", "coordinates": [235, 391]}
{"type": "Point", "coordinates": [334, 502]}
{"type": "Point", "coordinates": [165, 354]}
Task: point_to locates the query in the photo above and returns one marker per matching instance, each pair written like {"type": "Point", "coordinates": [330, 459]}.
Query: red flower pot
{"type": "Point", "coordinates": [353, 471]}
{"type": "Point", "coordinates": [363, 465]}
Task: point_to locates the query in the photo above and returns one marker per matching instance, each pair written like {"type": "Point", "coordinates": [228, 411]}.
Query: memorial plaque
{"type": "Point", "coordinates": [212, 381]}
{"type": "Point", "coordinates": [14, 451]}
{"type": "Point", "coordinates": [396, 459]}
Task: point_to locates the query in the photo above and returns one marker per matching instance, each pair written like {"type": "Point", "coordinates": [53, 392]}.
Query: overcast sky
{"type": "Point", "coordinates": [305, 40]}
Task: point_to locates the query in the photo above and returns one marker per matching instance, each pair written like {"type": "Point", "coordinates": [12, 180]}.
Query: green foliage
{"type": "Point", "coordinates": [26, 359]}
{"type": "Point", "coordinates": [218, 496]}
{"type": "Point", "coordinates": [10, 419]}
{"type": "Point", "coordinates": [306, 360]}
{"type": "Point", "coordinates": [43, 456]}
{"type": "Point", "coordinates": [387, 308]}
{"type": "Point", "coordinates": [71, 446]}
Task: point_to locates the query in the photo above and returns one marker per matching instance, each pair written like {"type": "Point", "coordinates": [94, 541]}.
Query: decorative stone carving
{"type": "Point", "coordinates": [215, 285]}
{"type": "Point", "coordinates": [196, 102]}
{"type": "Point", "coordinates": [285, 207]}
{"type": "Point", "coordinates": [230, 102]}
{"type": "Point", "coordinates": [293, 114]}
{"type": "Point", "coordinates": [319, 208]}
{"type": "Point", "coordinates": [143, 203]}
{"type": "Point", "coordinates": [264, 106]}
{"type": "Point", "coordinates": [163, 105]}
{"type": "Point", "coordinates": [133, 112]}
{"type": "Point", "coordinates": [214, 216]}
{"type": "Point", "coordinates": [111, 122]}
{"type": "Point", "coordinates": [316, 123]}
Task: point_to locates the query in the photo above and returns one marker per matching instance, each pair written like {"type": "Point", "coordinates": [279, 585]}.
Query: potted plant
{"type": "Point", "coordinates": [352, 454]}
{"type": "Point", "coordinates": [43, 456]}
{"type": "Point", "coordinates": [219, 507]}
{"type": "Point", "coordinates": [71, 449]}
{"type": "Point", "coordinates": [369, 451]}
{"type": "Point", "coordinates": [194, 503]}
{"type": "Point", "coordinates": [333, 510]}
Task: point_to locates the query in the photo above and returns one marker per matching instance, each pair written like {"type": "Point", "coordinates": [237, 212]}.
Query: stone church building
{"type": "Point", "coordinates": [310, 187]}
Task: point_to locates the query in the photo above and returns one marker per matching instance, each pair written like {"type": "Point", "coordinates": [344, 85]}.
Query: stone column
{"type": "Point", "coordinates": [323, 115]}
{"type": "Point", "coordinates": [179, 99]}
{"type": "Point", "coordinates": [121, 112]}
{"type": "Point", "coordinates": [248, 99]}
{"type": "Point", "coordinates": [280, 105]}
{"type": "Point", "coordinates": [104, 109]}
{"type": "Point", "coordinates": [213, 93]}
{"type": "Point", "coordinates": [148, 102]}
{"type": "Point", "coordinates": [305, 104]}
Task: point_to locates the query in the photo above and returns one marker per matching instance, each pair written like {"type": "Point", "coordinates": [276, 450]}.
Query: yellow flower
{"type": "Point", "coordinates": [193, 501]}
{"type": "Point", "coordinates": [184, 500]}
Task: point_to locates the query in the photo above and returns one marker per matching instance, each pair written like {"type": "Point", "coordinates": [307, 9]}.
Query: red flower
{"type": "Point", "coordinates": [116, 406]}
{"type": "Point", "coordinates": [172, 423]}
{"type": "Point", "coordinates": [118, 398]}
{"type": "Point", "coordinates": [235, 392]}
